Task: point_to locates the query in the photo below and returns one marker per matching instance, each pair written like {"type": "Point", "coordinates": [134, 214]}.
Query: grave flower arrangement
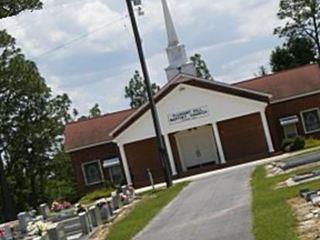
{"type": "Point", "coordinates": [38, 228]}
{"type": "Point", "coordinates": [124, 198]}
{"type": "Point", "coordinates": [58, 206]}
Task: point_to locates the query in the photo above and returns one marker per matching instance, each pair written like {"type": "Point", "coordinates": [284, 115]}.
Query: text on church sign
{"type": "Point", "coordinates": [188, 115]}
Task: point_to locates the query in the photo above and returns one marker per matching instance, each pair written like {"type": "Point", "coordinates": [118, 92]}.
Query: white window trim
{"type": "Point", "coordinates": [85, 176]}
{"type": "Point", "coordinates": [303, 122]}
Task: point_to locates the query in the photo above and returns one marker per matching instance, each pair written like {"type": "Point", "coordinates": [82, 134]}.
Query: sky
{"type": "Point", "coordinates": [85, 48]}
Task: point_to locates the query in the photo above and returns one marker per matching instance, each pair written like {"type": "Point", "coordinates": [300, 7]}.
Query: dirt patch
{"type": "Point", "coordinates": [308, 217]}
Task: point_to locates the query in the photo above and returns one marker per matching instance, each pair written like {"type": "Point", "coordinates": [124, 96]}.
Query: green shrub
{"type": "Point", "coordinates": [293, 144]}
{"type": "Point", "coordinates": [287, 143]}
{"type": "Point", "coordinates": [312, 142]}
{"type": "Point", "coordinates": [96, 195]}
{"type": "Point", "coordinates": [298, 144]}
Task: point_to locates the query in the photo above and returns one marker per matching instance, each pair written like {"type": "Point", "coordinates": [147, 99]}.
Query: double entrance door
{"type": "Point", "coordinates": [197, 147]}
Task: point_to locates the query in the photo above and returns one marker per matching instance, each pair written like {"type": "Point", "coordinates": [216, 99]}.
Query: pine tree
{"type": "Point", "coordinates": [136, 90]}
{"type": "Point", "coordinates": [201, 67]}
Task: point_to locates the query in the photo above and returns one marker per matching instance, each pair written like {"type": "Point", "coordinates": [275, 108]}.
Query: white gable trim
{"type": "Point", "coordinates": [222, 106]}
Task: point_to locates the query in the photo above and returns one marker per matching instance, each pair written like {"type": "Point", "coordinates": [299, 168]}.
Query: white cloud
{"type": "Point", "coordinates": [108, 56]}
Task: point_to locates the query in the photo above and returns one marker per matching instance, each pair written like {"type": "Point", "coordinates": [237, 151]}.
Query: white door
{"type": "Point", "coordinates": [197, 147]}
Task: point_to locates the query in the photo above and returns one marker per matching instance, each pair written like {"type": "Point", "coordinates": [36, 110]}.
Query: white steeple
{"type": "Point", "coordinates": [176, 52]}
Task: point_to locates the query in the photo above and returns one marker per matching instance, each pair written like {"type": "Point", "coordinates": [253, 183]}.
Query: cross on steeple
{"type": "Point", "coordinates": [176, 52]}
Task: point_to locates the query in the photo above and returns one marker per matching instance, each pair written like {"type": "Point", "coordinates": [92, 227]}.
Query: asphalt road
{"type": "Point", "coordinates": [214, 208]}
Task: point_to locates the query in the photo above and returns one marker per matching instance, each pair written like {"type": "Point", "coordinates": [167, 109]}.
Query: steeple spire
{"type": "Point", "coordinates": [171, 31]}
{"type": "Point", "coordinates": [176, 52]}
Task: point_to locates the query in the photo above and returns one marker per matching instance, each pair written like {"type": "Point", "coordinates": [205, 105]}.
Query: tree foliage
{"type": "Point", "coordinates": [31, 125]}
{"type": "Point", "coordinates": [136, 90]}
{"type": "Point", "coordinates": [201, 67]}
{"type": "Point", "coordinates": [302, 21]}
{"type": "Point", "coordinates": [296, 52]}
{"type": "Point", "coordinates": [95, 111]}
{"type": "Point", "coordinates": [262, 71]}
{"type": "Point", "coordinates": [60, 183]}
{"type": "Point", "coordinates": [10, 8]}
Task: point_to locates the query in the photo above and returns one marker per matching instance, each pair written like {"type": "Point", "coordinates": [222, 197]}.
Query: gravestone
{"type": "Point", "coordinates": [85, 224]}
{"type": "Point", "coordinates": [303, 192]}
{"type": "Point", "coordinates": [315, 199]}
{"type": "Point", "coordinates": [44, 210]}
{"type": "Point", "coordinates": [115, 200]}
{"type": "Point", "coordinates": [104, 210]}
{"type": "Point", "coordinates": [98, 216]}
{"type": "Point", "coordinates": [5, 232]}
{"type": "Point", "coordinates": [23, 219]}
{"type": "Point", "coordinates": [132, 193]}
{"type": "Point", "coordinates": [56, 232]}
{"type": "Point", "coordinates": [92, 215]}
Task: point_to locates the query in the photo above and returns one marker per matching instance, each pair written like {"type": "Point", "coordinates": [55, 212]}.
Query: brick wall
{"type": "Point", "coordinates": [90, 154]}
{"type": "Point", "coordinates": [293, 107]}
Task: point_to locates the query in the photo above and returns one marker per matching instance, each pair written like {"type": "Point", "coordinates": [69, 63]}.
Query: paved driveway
{"type": "Point", "coordinates": [214, 208]}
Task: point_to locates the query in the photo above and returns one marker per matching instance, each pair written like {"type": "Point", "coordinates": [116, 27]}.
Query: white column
{"type": "Point", "coordinates": [170, 155]}
{"type": "Point", "coordinates": [125, 164]}
{"type": "Point", "coordinates": [218, 142]}
{"type": "Point", "coordinates": [267, 131]}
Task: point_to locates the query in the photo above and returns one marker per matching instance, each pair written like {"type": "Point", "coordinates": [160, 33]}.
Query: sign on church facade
{"type": "Point", "coordinates": [188, 115]}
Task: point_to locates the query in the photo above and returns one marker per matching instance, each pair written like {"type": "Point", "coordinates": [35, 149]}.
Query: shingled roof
{"type": "Point", "coordinates": [281, 86]}
{"type": "Point", "coordinates": [94, 131]}
{"type": "Point", "coordinates": [286, 84]}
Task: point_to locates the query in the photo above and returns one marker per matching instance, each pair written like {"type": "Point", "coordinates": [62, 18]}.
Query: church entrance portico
{"type": "Point", "coordinates": [196, 147]}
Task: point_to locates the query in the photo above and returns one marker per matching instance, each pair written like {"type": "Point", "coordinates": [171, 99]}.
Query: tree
{"type": "Point", "coordinates": [7, 9]}
{"type": "Point", "coordinates": [14, 7]}
{"type": "Point", "coordinates": [302, 21]}
{"type": "Point", "coordinates": [60, 184]}
{"type": "Point", "coordinates": [262, 71]}
{"type": "Point", "coordinates": [296, 52]}
{"type": "Point", "coordinates": [136, 90]}
{"type": "Point", "coordinates": [201, 67]}
{"type": "Point", "coordinates": [31, 126]}
{"type": "Point", "coordinates": [95, 111]}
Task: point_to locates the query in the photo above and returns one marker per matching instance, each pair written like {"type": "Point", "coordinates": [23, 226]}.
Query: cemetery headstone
{"type": "Point", "coordinates": [44, 210]}
{"type": "Point", "coordinates": [115, 200]}
{"type": "Point", "coordinates": [84, 221]}
{"type": "Point", "coordinates": [110, 206]}
{"type": "Point", "coordinates": [92, 215]}
{"type": "Point", "coordinates": [23, 219]}
{"type": "Point", "coordinates": [5, 232]}
{"type": "Point", "coordinates": [315, 199]}
{"type": "Point", "coordinates": [56, 232]}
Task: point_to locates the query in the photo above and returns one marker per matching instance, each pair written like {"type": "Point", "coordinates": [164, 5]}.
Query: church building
{"type": "Point", "coordinates": [206, 124]}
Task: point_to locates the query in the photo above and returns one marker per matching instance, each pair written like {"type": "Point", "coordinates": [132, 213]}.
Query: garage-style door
{"type": "Point", "coordinates": [243, 137]}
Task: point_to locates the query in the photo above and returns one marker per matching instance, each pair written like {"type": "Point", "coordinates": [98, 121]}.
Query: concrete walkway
{"type": "Point", "coordinates": [214, 208]}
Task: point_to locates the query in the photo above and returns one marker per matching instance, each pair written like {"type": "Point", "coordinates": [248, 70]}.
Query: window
{"type": "Point", "coordinates": [116, 175]}
{"type": "Point", "coordinates": [115, 171]}
{"type": "Point", "coordinates": [290, 131]}
{"type": "Point", "coordinates": [311, 120]}
{"type": "Point", "coordinates": [92, 172]}
{"type": "Point", "coordinates": [289, 126]}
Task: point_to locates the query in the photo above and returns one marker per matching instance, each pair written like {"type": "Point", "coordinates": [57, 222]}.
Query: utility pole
{"type": "Point", "coordinates": [163, 154]}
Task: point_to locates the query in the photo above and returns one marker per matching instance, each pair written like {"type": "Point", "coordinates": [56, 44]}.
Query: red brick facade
{"type": "Point", "coordinates": [277, 111]}
{"type": "Point", "coordinates": [100, 153]}
{"type": "Point", "coordinates": [243, 137]}
{"type": "Point", "coordinates": [141, 156]}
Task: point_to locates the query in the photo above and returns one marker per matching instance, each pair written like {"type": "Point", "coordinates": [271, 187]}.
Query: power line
{"type": "Point", "coordinates": [49, 10]}
{"type": "Point", "coordinates": [83, 36]}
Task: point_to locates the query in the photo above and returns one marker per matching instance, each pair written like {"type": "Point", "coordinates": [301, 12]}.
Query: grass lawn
{"type": "Point", "coordinates": [144, 211]}
{"type": "Point", "coordinates": [96, 195]}
{"type": "Point", "coordinates": [273, 217]}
